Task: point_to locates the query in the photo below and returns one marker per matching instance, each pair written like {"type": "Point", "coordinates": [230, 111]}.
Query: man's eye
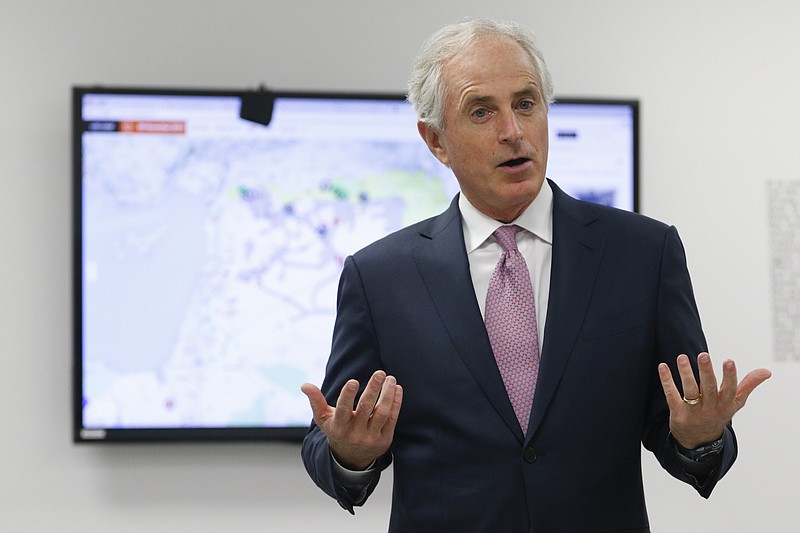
{"type": "Point", "coordinates": [526, 104]}
{"type": "Point", "coordinates": [480, 113]}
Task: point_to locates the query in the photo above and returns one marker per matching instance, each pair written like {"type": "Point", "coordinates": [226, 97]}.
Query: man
{"type": "Point", "coordinates": [546, 439]}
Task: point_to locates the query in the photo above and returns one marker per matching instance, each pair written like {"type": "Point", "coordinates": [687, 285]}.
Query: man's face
{"type": "Point", "coordinates": [495, 127]}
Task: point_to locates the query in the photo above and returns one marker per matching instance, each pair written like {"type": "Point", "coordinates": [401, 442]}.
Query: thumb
{"type": "Point", "coordinates": [749, 383]}
{"type": "Point", "coordinates": [319, 406]}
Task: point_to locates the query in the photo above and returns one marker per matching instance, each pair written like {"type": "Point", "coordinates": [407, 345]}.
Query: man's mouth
{"type": "Point", "coordinates": [511, 163]}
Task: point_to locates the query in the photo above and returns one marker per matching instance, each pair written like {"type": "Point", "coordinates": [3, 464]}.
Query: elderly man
{"type": "Point", "coordinates": [514, 352]}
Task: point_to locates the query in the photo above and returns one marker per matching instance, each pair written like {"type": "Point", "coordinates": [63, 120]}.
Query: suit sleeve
{"type": "Point", "coordinates": [354, 355]}
{"type": "Point", "coordinates": [678, 331]}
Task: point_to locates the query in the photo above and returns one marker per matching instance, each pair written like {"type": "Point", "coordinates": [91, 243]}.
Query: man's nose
{"type": "Point", "coordinates": [510, 129]}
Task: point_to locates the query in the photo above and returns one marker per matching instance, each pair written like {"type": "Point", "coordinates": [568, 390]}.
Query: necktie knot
{"type": "Point", "coordinates": [507, 237]}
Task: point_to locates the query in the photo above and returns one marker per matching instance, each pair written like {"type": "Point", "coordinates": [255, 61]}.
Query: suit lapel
{"type": "Point", "coordinates": [577, 252]}
{"type": "Point", "coordinates": [442, 262]}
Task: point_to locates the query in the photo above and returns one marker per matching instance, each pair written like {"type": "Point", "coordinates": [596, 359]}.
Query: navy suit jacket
{"type": "Point", "coordinates": [621, 302]}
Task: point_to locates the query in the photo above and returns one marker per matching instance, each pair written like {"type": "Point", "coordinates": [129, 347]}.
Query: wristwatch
{"type": "Point", "coordinates": [701, 453]}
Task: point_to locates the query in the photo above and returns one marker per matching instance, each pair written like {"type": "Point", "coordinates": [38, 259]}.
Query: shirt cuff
{"type": "Point", "coordinates": [354, 481]}
{"type": "Point", "coordinates": [702, 469]}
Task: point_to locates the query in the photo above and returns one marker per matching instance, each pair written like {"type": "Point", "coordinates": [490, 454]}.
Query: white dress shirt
{"type": "Point", "coordinates": [535, 244]}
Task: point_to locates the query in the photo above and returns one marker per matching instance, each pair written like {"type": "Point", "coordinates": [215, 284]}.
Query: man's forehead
{"type": "Point", "coordinates": [477, 65]}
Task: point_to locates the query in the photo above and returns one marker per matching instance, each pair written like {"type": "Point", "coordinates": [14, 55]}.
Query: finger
{"type": "Point", "coordinates": [749, 383]}
{"type": "Point", "coordinates": [397, 403]}
{"type": "Point", "coordinates": [668, 384]}
{"type": "Point", "coordinates": [708, 380]}
{"type": "Point", "coordinates": [688, 382]}
{"type": "Point", "coordinates": [383, 407]}
{"type": "Point", "coordinates": [344, 404]}
{"type": "Point", "coordinates": [727, 391]}
{"type": "Point", "coordinates": [366, 404]}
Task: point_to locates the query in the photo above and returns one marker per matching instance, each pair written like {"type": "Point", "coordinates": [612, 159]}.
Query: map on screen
{"type": "Point", "coordinates": [211, 247]}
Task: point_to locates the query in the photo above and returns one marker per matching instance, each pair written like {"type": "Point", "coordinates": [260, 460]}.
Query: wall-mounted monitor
{"type": "Point", "coordinates": [208, 247]}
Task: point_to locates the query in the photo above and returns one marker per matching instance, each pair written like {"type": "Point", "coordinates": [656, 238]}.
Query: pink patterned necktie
{"type": "Point", "coordinates": [510, 318]}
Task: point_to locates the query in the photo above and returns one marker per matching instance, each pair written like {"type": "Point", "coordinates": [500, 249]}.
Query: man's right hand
{"type": "Point", "coordinates": [358, 437]}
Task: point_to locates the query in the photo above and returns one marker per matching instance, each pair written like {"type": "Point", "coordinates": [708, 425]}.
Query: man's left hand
{"type": "Point", "coordinates": [694, 423]}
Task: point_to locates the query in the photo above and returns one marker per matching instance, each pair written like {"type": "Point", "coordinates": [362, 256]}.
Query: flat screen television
{"type": "Point", "coordinates": [208, 247]}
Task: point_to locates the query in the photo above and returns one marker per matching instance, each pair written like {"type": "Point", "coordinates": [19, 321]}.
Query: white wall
{"type": "Point", "coordinates": [718, 81]}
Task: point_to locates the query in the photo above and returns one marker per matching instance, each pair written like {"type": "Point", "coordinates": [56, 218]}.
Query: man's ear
{"type": "Point", "coordinates": [432, 138]}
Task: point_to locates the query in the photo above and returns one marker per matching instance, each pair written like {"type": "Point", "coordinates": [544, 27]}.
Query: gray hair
{"type": "Point", "coordinates": [426, 91]}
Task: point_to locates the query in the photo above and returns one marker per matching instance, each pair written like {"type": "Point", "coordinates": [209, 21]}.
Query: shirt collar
{"type": "Point", "coordinates": [537, 218]}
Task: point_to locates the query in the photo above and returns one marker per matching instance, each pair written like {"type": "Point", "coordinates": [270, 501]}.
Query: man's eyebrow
{"type": "Point", "coordinates": [528, 90]}
{"type": "Point", "coordinates": [476, 99]}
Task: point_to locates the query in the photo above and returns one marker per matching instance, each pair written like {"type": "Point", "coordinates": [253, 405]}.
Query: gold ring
{"type": "Point", "coordinates": [693, 401]}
